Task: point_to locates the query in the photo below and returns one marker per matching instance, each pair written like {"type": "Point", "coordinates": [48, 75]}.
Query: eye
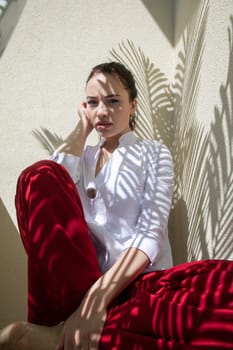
{"type": "Point", "coordinates": [113, 101]}
{"type": "Point", "coordinates": [92, 103]}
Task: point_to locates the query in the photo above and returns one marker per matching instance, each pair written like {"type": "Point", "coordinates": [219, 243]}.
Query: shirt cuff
{"type": "Point", "coordinates": [70, 163]}
{"type": "Point", "coordinates": [149, 245]}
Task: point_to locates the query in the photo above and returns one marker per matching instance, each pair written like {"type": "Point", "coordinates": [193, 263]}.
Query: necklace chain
{"type": "Point", "coordinates": [104, 156]}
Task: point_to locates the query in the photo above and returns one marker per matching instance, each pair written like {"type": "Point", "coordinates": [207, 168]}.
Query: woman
{"type": "Point", "coordinates": [99, 260]}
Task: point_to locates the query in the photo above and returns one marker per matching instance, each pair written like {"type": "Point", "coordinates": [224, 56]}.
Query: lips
{"type": "Point", "coordinates": [103, 125]}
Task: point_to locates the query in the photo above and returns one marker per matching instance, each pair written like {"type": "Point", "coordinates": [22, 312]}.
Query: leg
{"type": "Point", "coordinates": [62, 263]}
{"type": "Point", "coordinates": [188, 307]}
{"type": "Point", "coordinates": [25, 336]}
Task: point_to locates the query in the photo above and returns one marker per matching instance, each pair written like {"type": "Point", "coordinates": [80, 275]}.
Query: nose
{"type": "Point", "coordinates": [102, 110]}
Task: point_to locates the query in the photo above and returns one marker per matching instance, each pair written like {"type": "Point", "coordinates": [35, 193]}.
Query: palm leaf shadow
{"type": "Point", "coordinates": [155, 108]}
{"type": "Point", "coordinates": [190, 143]}
{"type": "Point", "coordinates": [220, 165]}
{"type": "Point", "coordinates": [203, 163]}
{"type": "Point", "coordinates": [212, 238]}
{"type": "Point", "coordinates": [49, 140]}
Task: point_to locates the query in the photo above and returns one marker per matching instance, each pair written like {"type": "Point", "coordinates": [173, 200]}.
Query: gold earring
{"type": "Point", "coordinates": [132, 121]}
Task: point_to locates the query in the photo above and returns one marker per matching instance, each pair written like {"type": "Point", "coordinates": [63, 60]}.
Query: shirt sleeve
{"type": "Point", "coordinates": [70, 162]}
{"type": "Point", "coordinates": [152, 233]}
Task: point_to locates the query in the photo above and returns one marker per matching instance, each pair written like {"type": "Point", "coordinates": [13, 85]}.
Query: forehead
{"type": "Point", "coordinates": [105, 84]}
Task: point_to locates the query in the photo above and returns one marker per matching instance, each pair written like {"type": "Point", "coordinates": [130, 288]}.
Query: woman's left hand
{"type": "Point", "coordinates": [82, 330]}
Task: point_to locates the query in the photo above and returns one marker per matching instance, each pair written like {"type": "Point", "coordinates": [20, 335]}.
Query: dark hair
{"type": "Point", "coordinates": [125, 76]}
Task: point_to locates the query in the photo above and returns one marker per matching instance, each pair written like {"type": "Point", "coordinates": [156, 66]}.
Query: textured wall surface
{"type": "Point", "coordinates": [202, 223]}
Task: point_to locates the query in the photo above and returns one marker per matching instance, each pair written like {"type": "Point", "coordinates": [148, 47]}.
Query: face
{"type": "Point", "coordinates": [108, 106]}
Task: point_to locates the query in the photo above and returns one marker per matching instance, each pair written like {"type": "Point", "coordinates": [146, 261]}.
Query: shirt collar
{"type": "Point", "coordinates": [126, 139]}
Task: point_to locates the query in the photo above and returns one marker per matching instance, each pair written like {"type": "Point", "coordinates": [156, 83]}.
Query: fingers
{"type": "Point", "coordinates": [91, 343]}
{"type": "Point", "coordinates": [73, 343]}
{"type": "Point", "coordinates": [82, 112]}
{"type": "Point", "coordinates": [87, 342]}
{"type": "Point", "coordinates": [94, 341]}
{"type": "Point", "coordinates": [60, 344]}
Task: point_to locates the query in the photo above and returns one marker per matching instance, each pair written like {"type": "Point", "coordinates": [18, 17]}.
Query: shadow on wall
{"type": "Point", "coordinates": [162, 11]}
{"type": "Point", "coordinates": [12, 271]}
{"type": "Point", "coordinates": [10, 11]}
{"type": "Point", "coordinates": [190, 141]}
{"type": "Point", "coordinates": [164, 14]}
{"type": "Point", "coordinates": [219, 165]}
{"type": "Point", "coordinates": [201, 223]}
{"type": "Point", "coordinates": [49, 140]}
{"type": "Point", "coordinates": [155, 107]}
{"type": "Point", "coordinates": [12, 256]}
{"type": "Point", "coordinates": [203, 164]}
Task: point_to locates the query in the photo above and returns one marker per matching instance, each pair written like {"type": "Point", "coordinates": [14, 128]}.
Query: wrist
{"type": "Point", "coordinates": [94, 301]}
{"type": "Point", "coordinates": [101, 294]}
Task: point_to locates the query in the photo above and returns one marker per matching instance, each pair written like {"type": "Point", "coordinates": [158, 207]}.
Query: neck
{"type": "Point", "coordinates": [111, 143]}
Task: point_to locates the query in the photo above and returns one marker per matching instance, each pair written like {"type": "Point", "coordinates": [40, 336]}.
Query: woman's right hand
{"type": "Point", "coordinates": [86, 124]}
{"type": "Point", "coordinates": [75, 141]}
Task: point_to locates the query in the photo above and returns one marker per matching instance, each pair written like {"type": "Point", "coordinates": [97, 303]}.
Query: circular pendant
{"type": "Point", "coordinates": [91, 193]}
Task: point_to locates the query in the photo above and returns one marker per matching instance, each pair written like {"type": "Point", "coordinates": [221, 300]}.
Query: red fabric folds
{"type": "Point", "coordinates": [189, 306]}
{"type": "Point", "coordinates": [62, 263]}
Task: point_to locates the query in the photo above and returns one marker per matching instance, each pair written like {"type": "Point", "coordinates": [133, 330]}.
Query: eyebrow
{"type": "Point", "coordinates": [112, 95]}
{"type": "Point", "coordinates": [108, 96]}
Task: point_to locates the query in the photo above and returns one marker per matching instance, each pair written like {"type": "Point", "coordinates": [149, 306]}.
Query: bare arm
{"type": "Point", "coordinates": [131, 263]}
{"type": "Point", "coordinates": [85, 325]}
{"type": "Point", "coordinates": [75, 141]}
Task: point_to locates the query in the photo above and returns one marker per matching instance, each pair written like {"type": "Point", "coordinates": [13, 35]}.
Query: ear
{"type": "Point", "coordinates": [84, 104]}
{"type": "Point", "coordinates": [134, 104]}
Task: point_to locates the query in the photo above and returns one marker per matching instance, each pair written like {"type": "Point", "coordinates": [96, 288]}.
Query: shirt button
{"type": "Point", "coordinates": [91, 193]}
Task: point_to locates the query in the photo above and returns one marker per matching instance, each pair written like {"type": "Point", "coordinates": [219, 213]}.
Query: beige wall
{"type": "Point", "coordinates": [42, 76]}
{"type": "Point", "coordinates": [12, 271]}
{"type": "Point", "coordinates": [202, 222]}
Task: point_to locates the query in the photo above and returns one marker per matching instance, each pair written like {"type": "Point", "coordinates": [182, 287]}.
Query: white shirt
{"type": "Point", "coordinates": [133, 198]}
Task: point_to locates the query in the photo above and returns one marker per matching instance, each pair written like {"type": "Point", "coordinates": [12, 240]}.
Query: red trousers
{"type": "Point", "coordinates": [189, 306]}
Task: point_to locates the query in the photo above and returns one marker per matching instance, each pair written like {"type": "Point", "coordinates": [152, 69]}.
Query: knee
{"type": "Point", "coordinates": [11, 333]}
{"type": "Point", "coordinates": [39, 167]}
{"type": "Point", "coordinates": [42, 170]}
